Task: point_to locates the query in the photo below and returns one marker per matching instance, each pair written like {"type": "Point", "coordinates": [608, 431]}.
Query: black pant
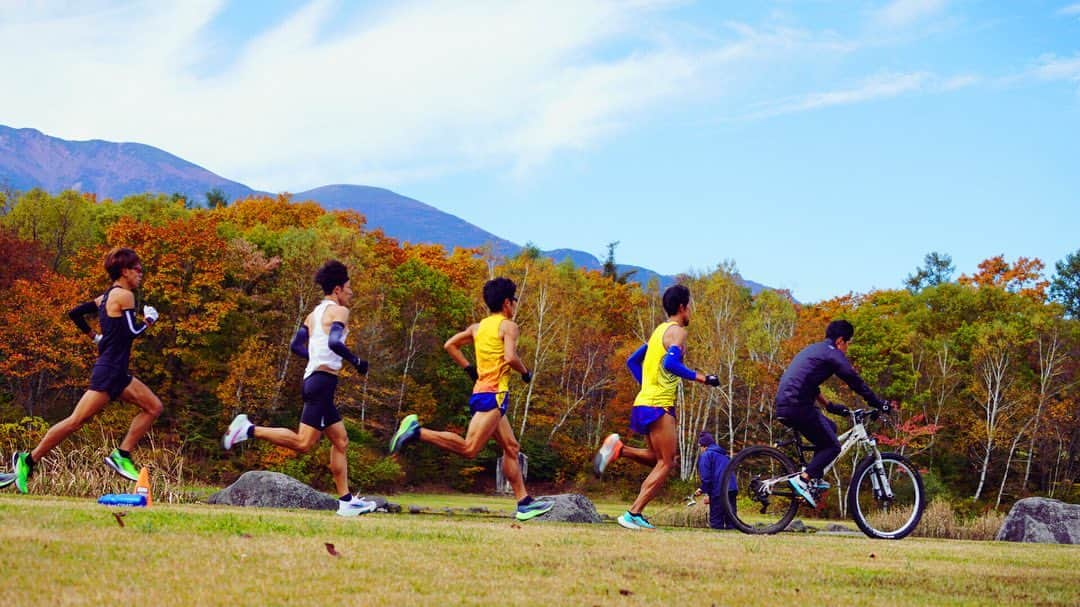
{"type": "Point", "coordinates": [718, 519]}
{"type": "Point", "coordinates": [818, 429]}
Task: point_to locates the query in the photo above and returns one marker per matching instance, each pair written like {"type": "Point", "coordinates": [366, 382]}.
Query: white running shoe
{"type": "Point", "coordinates": [609, 452]}
{"type": "Point", "coordinates": [355, 507]}
{"type": "Point", "coordinates": [238, 431]}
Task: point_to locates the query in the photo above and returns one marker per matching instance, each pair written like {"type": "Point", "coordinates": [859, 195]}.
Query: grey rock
{"type": "Point", "coordinates": [796, 526]}
{"type": "Point", "coordinates": [1041, 520]}
{"type": "Point", "coordinates": [478, 510]}
{"type": "Point", "coordinates": [838, 528]}
{"type": "Point", "coordinates": [570, 508]}
{"type": "Point", "coordinates": [272, 490]}
{"type": "Point", "coordinates": [417, 509]}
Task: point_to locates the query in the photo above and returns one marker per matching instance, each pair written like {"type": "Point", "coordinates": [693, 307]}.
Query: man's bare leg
{"type": "Point", "coordinates": [481, 427]}
{"type": "Point", "coordinates": [662, 438]}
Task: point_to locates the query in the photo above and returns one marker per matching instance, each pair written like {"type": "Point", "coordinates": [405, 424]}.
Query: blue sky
{"type": "Point", "coordinates": [823, 146]}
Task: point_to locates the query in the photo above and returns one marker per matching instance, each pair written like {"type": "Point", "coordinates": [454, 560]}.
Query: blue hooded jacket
{"type": "Point", "coordinates": [711, 465]}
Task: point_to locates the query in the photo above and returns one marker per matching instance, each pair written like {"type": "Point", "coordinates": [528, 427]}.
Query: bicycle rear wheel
{"type": "Point", "coordinates": [886, 502]}
{"type": "Point", "coordinates": [765, 502]}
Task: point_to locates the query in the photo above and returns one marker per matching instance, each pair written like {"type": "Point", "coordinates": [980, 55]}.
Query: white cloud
{"type": "Point", "coordinates": [1072, 9]}
{"type": "Point", "coordinates": [882, 86]}
{"type": "Point", "coordinates": [415, 88]}
{"type": "Point", "coordinates": [403, 91]}
{"type": "Point", "coordinates": [1052, 67]}
{"type": "Point", "coordinates": [901, 13]}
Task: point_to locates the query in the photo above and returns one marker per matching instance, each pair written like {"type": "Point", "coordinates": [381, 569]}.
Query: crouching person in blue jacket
{"type": "Point", "coordinates": [711, 465]}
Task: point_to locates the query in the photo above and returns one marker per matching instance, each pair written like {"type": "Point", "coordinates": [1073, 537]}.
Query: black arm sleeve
{"type": "Point", "coordinates": [337, 346]}
{"type": "Point", "coordinates": [299, 342]}
{"type": "Point", "coordinates": [846, 372]}
{"type": "Point", "coordinates": [79, 313]}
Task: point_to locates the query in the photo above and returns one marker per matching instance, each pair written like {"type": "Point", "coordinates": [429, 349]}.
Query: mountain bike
{"type": "Point", "coordinates": [885, 497]}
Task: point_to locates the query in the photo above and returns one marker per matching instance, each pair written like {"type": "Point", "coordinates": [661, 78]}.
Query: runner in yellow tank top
{"type": "Point", "coordinates": [495, 341]}
{"type": "Point", "coordinates": [658, 367]}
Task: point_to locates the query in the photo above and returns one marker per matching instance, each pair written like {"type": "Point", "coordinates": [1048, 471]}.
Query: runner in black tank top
{"type": "Point", "coordinates": [109, 379]}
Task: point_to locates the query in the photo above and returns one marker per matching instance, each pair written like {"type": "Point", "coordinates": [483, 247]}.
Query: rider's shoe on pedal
{"type": "Point", "coordinates": [802, 487]}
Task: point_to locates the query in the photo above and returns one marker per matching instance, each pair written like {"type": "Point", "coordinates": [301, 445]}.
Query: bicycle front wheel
{"type": "Point", "coordinates": [765, 502]}
{"type": "Point", "coordinates": [886, 501]}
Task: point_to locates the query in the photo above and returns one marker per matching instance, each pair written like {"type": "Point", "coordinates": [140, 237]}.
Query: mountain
{"type": "Point", "coordinates": [29, 159]}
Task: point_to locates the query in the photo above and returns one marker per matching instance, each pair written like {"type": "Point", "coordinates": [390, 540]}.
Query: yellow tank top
{"type": "Point", "coordinates": [491, 364]}
{"type": "Point", "coordinates": [658, 386]}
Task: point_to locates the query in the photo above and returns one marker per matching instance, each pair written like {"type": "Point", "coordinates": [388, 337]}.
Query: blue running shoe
{"type": "Point", "coordinates": [641, 521]}
{"type": "Point", "coordinates": [803, 489]}
{"type": "Point", "coordinates": [820, 485]}
{"type": "Point", "coordinates": [6, 479]}
{"type": "Point", "coordinates": [533, 509]}
{"type": "Point", "coordinates": [627, 520]}
{"type": "Point", "coordinates": [408, 429]}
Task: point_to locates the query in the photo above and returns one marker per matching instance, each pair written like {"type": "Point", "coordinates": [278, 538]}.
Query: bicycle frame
{"type": "Point", "coordinates": [855, 438]}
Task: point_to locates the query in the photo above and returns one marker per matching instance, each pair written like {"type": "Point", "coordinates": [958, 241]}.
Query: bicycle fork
{"type": "Point", "coordinates": [879, 480]}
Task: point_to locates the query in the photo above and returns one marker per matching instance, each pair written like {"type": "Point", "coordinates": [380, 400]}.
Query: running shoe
{"type": "Point", "coordinates": [408, 429]}
{"type": "Point", "coordinates": [20, 463]}
{"type": "Point", "coordinates": [820, 485]}
{"type": "Point", "coordinates": [6, 479]}
{"type": "Point", "coordinates": [641, 521]}
{"type": "Point", "coordinates": [355, 507]}
{"type": "Point", "coordinates": [803, 489]}
{"type": "Point", "coordinates": [238, 431]}
{"type": "Point", "coordinates": [534, 509]}
{"type": "Point", "coordinates": [122, 465]}
{"type": "Point", "coordinates": [609, 452]}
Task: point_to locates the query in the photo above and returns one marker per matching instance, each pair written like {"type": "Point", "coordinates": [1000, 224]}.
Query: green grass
{"type": "Point", "coordinates": [72, 552]}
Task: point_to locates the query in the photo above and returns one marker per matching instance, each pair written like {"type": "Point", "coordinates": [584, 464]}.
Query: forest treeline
{"type": "Point", "coordinates": [985, 363]}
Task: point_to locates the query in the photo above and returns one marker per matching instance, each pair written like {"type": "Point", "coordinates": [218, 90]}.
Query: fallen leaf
{"type": "Point", "coordinates": [625, 592]}
{"type": "Point", "coordinates": [333, 551]}
{"type": "Point", "coordinates": [873, 556]}
{"type": "Point", "coordinates": [119, 516]}
{"type": "Point", "coordinates": [245, 535]}
{"type": "Point", "coordinates": [515, 526]}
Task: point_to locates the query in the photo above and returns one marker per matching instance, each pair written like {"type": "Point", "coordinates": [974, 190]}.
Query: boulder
{"type": "Point", "coordinates": [1041, 520]}
{"type": "Point", "coordinates": [570, 508]}
{"type": "Point", "coordinates": [272, 490]}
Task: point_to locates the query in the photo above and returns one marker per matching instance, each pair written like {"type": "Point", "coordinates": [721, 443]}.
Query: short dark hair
{"type": "Point", "coordinates": [332, 274]}
{"type": "Point", "coordinates": [675, 296]}
{"type": "Point", "coordinates": [120, 259]}
{"type": "Point", "coordinates": [839, 328]}
{"type": "Point", "coordinates": [497, 291]}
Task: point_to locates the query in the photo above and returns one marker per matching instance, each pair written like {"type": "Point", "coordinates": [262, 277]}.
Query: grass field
{"type": "Point", "coordinates": [73, 552]}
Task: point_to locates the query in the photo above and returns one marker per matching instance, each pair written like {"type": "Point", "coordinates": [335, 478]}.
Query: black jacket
{"type": "Point", "coordinates": [801, 383]}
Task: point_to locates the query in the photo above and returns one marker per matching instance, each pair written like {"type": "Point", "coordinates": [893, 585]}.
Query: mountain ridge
{"type": "Point", "coordinates": [30, 158]}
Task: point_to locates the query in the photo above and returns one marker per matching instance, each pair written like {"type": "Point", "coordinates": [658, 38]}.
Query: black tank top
{"type": "Point", "coordinates": [114, 349]}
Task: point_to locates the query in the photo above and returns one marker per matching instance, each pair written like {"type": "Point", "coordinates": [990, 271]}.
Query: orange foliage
{"type": "Point", "coordinates": [184, 262]}
{"type": "Point", "coordinates": [1024, 276]}
{"type": "Point", "coordinates": [272, 213]}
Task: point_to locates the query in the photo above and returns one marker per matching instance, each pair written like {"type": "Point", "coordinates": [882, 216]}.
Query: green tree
{"type": "Point", "coordinates": [1065, 286]}
{"type": "Point", "coordinates": [611, 269]}
{"type": "Point", "coordinates": [215, 199]}
{"type": "Point", "coordinates": [937, 269]}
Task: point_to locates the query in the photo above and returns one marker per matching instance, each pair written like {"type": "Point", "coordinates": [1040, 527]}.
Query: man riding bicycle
{"type": "Point", "coordinates": [800, 387]}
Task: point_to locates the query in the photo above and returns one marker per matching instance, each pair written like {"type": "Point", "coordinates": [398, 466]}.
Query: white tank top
{"type": "Point", "coordinates": [319, 352]}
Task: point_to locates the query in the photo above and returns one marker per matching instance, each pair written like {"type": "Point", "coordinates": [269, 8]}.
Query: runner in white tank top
{"type": "Point", "coordinates": [320, 340]}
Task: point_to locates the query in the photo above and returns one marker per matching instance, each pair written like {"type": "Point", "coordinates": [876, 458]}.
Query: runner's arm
{"type": "Point", "coordinates": [636, 362]}
{"type": "Point", "coordinates": [299, 342]}
{"type": "Point", "coordinates": [78, 316]}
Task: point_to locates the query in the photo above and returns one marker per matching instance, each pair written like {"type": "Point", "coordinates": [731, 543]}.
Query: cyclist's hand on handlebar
{"type": "Point", "coordinates": [837, 409]}
{"type": "Point", "coordinates": [889, 405]}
